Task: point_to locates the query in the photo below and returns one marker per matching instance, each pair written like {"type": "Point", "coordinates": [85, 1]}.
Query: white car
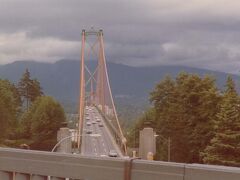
{"type": "Point", "coordinates": [88, 124]}
{"type": "Point", "coordinates": [103, 155]}
{"type": "Point", "coordinates": [112, 153]}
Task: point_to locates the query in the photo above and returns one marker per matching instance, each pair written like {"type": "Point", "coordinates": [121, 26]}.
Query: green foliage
{"type": "Point", "coordinates": [224, 148]}
{"type": "Point", "coordinates": [39, 125]}
{"type": "Point", "coordinates": [185, 109]}
{"type": "Point", "coordinates": [9, 107]}
{"type": "Point", "coordinates": [42, 122]}
{"type": "Point", "coordinates": [29, 89]}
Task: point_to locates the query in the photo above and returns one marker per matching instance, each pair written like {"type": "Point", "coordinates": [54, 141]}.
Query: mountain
{"type": "Point", "coordinates": [130, 85]}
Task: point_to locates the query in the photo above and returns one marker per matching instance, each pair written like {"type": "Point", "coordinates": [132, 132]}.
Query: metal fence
{"type": "Point", "coordinates": [16, 164]}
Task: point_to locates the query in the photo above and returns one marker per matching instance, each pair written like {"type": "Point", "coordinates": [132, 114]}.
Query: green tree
{"type": "Point", "coordinates": [224, 148]}
{"type": "Point", "coordinates": [29, 89]}
{"type": "Point", "coordinates": [184, 111]}
{"type": "Point", "coordinates": [9, 107]}
{"type": "Point", "coordinates": [42, 122]}
{"type": "Point", "coordinates": [198, 100]}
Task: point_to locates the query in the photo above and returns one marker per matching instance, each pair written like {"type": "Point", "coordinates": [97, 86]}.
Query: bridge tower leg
{"type": "Point", "coordinates": [82, 92]}
{"type": "Point", "coordinates": [101, 73]}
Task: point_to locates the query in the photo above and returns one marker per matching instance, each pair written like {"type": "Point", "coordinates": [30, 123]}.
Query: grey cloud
{"type": "Point", "coordinates": [198, 33]}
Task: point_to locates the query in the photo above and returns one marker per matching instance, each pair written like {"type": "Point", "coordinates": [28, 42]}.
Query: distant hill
{"type": "Point", "coordinates": [130, 85]}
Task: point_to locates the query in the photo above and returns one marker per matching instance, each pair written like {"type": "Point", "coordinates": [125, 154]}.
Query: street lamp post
{"type": "Point", "coordinates": [68, 137]}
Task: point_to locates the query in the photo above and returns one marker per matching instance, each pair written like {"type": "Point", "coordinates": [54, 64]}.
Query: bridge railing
{"type": "Point", "coordinates": [35, 165]}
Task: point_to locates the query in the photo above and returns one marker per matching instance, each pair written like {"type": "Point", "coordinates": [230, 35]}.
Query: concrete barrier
{"type": "Point", "coordinates": [18, 164]}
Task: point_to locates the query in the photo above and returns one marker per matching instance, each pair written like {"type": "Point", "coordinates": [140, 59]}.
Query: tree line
{"type": "Point", "coordinates": [27, 116]}
{"type": "Point", "coordinates": [202, 122]}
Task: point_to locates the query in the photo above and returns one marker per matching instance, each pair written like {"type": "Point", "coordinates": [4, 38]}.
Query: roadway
{"type": "Point", "coordinates": [101, 144]}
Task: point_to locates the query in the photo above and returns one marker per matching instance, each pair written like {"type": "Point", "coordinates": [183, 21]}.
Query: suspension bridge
{"type": "Point", "coordinates": [97, 111]}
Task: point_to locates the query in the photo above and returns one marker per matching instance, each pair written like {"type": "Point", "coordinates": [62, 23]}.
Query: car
{"type": "Point", "coordinates": [98, 120]}
{"type": "Point", "coordinates": [103, 155]}
{"type": "Point", "coordinates": [94, 122]}
{"type": "Point", "coordinates": [89, 131]}
{"type": "Point", "coordinates": [112, 153]}
{"type": "Point", "coordinates": [100, 125]}
{"type": "Point", "coordinates": [87, 118]}
{"type": "Point", "coordinates": [88, 124]}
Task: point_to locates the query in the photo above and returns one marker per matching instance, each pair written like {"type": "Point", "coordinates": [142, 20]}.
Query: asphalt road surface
{"type": "Point", "coordinates": [101, 144]}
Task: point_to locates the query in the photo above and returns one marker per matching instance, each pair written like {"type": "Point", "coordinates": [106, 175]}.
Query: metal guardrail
{"type": "Point", "coordinates": [16, 164]}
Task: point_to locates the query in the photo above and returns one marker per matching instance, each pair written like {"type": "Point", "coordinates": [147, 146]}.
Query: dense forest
{"type": "Point", "coordinates": [201, 121]}
{"type": "Point", "coordinates": [28, 118]}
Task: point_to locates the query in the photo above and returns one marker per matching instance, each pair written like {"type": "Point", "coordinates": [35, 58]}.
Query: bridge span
{"type": "Point", "coordinates": [96, 101]}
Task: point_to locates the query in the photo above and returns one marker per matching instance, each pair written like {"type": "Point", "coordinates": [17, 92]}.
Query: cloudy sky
{"type": "Point", "coordinates": [197, 33]}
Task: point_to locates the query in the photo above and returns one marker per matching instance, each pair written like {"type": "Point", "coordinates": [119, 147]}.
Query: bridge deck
{"type": "Point", "coordinates": [97, 146]}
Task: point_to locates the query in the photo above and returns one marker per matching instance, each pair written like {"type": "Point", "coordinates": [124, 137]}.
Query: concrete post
{"type": "Point", "coordinates": [147, 144]}
{"type": "Point", "coordinates": [134, 154]}
{"type": "Point", "coordinates": [66, 145]}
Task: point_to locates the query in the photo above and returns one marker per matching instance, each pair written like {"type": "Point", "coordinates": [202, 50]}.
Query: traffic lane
{"type": "Point", "coordinates": [98, 148]}
{"type": "Point", "coordinates": [111, 140]}
{"type": "Point", "coordinates": [92, 145]}
{"type": "Point", "coordinates": [102, 141]}
{"type": "Point", "coordinates": [98, 145]}
{"type": "Point", "coordinates": [86, 146]}
{"type": "Point", "coordinates": [89, 144]}
{"type": "Point", "coordinates": [106, 143]}
{"type": "Point", "coordinates": [101, 145]}
{"type": "Point", "coordinates": [98, 141]}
